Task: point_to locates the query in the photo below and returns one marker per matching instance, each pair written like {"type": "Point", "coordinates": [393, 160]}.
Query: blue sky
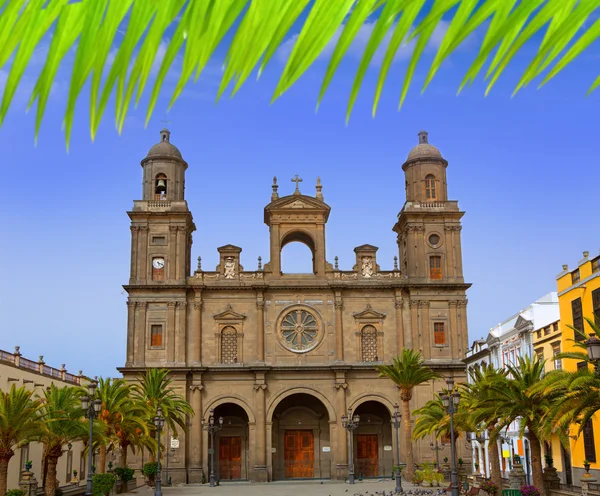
{"type": "Point", "coordinates": [524, 169]}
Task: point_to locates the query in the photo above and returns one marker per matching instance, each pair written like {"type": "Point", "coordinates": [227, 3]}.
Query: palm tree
{"type": "Point", "coordinates": [432, 419]}
{"type": "Point", "coordinates": [19, 422]}
{"type": "Point", "coordinates": [63, 423]}
{"type": "Point", "coordinates": [197, 28]}
{"type": "Point", "coordinates": [478, 393]}
{"type": "Point", "coordinates": [123, 418]}
{"type": "Point", "coordinates": [407, 372]}
{"type": "Point", "coordinates": [155, 390]}
{"type": "Point", "coordinates": [517, 396]}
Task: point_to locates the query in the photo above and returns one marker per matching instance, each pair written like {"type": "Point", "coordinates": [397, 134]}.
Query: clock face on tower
{"type": "Point", "coordinates": [158, 263]}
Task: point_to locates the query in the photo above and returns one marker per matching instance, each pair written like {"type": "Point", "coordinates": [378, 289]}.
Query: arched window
{"type": "Point", "coordinates": [368, 342]}
{"type": "Point", "coordinates": [160, 187]}
{"type": "Point", "coordinates": [430, 193]}
{"type": "Point", "coordinates": [229, 345]}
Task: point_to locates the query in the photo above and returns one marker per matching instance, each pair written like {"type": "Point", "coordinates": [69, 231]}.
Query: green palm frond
{"type": "Point", "coordinates": [19, 417]}
{"type": "Point", "coordinates": [132, 31]}
{"type": "Point", "coordinates": [408, 370]}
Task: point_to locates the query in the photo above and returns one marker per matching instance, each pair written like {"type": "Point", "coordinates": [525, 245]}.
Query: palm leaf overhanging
{"type": "Point", "coordinates": [116, 42]}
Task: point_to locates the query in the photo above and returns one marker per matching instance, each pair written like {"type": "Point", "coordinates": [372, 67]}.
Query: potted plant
{"type": "Point", "coordinates": [445, 459]}
{"type": "Point", "coordinates": [74, 479]}
{"type": "Point", "coordinates": [530, 491]}
{"type": "Point", "coordinates": [586, 466]}
{"type": "Point", "coordinates": [28, 465]}
{"type": "Point", "coordinates": [489, 487]}
{"type": "Point", "coordinates": [549, 460]}
{"type": "Point", "coordinates": [150, 470]}
{"type": "Point", "coordinates": [460, 462]}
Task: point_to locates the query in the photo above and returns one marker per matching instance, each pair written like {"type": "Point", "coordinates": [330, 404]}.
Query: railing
{"type": "Point", "coordinates": [25, 363]}
{"type": "Point", "coordinates": [432, 204]}
{"type": "Point", "coordinates": [38, 367]}
{"type": "Point", "coordinates": [5, 356]}
{"type": "Point", "coordinates": [159, 203]}
{"type": "Point", "coordinates": [73, 379]}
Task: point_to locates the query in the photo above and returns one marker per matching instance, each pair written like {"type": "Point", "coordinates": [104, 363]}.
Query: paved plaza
{"type": "Point", "coordinates": [312, 488]}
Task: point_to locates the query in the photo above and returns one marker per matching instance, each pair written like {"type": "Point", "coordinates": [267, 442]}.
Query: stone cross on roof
{"type": "Point", "coordinates": [297, 180]}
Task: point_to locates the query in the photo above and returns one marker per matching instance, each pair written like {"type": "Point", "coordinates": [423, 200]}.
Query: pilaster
{"type": "Point", "coordinates": [341, 451]}
{"type": "Point", "coordinates": [339, 327]}
{"type": "Point", "coordinates": [130, 333]}
{"type": "Point", "coordinates": [140, 334]}
{"type": "Point", "coordinates": [196, 448]}
{"type": "Point", "coordinates": [260, 328]}
{"type": "Point", "coordinates": [171, 306]}
{"type": "Point", "coordinates": [260, 455]}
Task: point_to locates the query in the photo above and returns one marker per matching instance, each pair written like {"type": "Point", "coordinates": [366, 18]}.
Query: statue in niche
{"type": "Point", "coordinates": [367, 266]}
{"type": "Point", "coordinates": [229, 268]}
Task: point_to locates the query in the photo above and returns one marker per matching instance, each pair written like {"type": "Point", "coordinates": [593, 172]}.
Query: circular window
{"type": "Point", "coordinates": [299, 330]}
{"type": "Point", "coordinates": [434, 240]}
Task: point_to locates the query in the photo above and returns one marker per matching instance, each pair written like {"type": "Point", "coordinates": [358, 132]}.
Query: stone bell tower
{"type": "Point", "coordinates": [428, 226]}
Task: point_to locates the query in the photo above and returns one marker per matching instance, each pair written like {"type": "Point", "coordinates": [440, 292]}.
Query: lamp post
{"type": "Point", "coordinates": [593, 348]}
{"type": "Point", "coordinates": [451, 402]}
{"type": "Point", "coordinates": [350, 422]}
{"type": "Point", "coordinates": [211, 427]}
{"type": "Point", "coordinates": [159, 422]}
{"type": "Point", "coordinates": [91, 409]}
{"type": "Point", "coordinates": [437, 447]}
{"type": "Point", "coordinates": [396, 417]}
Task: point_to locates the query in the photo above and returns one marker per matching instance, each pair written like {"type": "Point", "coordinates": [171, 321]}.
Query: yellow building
{"type": "Point", "coordinates": [579, 297]}
{"type": "Point", "coordinates": [547, 343]}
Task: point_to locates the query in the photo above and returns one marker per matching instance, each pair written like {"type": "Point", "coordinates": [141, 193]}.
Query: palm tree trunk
{"type": "Point", "coordinates": [410, 469]}
{"type": "Point", "coordinates": [5, 457]}
{"type": "Point", "coordinates": [536, 461]}
{"type": "Point", "coordinates": [495, 474]}
{"type": "Point", "coordinates": [101, 468]}
{"type": "Point", "coordinates": [50, 488]}
{"type": "Point", "coordinates": [124, 448]}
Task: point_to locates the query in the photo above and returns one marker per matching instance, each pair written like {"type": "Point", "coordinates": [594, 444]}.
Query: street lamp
{"type": "Point", "coordinates": [593, 348]}
{"type": "Point", "coordinates": [211, 427]}
{"type": "Point", "coordinates": [350, 422]}
{"type": "Point", "coordinates": [396, 417]}
{"type": "Point", "coordinates": [159, 423]}
{"type": "Point", "coordinates": [451, 402]}
{"type": "Point", "coordinates": [91, 408]}
{"type": "Point", "coordinates": [437, 447]}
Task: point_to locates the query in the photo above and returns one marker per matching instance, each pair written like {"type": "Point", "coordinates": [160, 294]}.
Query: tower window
{"type": "Point", "coordinates": [430, 193]}
{"type": "Point", "coordinates": [229, 345]}
{"type": "Point", "coordinates": [368, 342]}
{"type": "Point", "coordinates": [439, 334]}
{"type": "Point", "coordinates": [160, 187]}
{"type": "Point", "coordinates": [435, 267]}
{"type": "Point", "coordinates": [156, 335]}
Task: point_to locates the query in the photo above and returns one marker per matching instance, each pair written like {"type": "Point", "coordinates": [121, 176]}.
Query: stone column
{"type": "Point", "coordinates": [28, 483]}
{"type": "Point", "coordinates": [180, 263]}
{"type": "Point", "coordinates": [196, 358]}
{"type": "Point", "coordinates": [260, 454]}
{"type": "Point", "coordinates": [130, 331]}
{"type": "Point", "coordinates": [341, 450]}
{"type": "Point", "coordinates": [180, 334]}
{"type": "Point", "coordinates": [462, 327]}
{"type": "Point", "coordinates": [143, 266]}
{"type": "Point", "coordinates": [399, 304]}
{"type": "Point", "coordinates": [425, 329]}
{"type": "Point", "coordinates": [339, 328]}
{"type": "Point", "coordinates": [414, 325]}
{"type": "Point", "coordinates": [171, 262]}
{"type": "Point", "coordinates": [275, 261]}
{"type": "Point", "coordinates": [140, 334]}
{"type": "Point", "coordinates": [454, 346]}
{"type": "Point", "coordinates": [260, 345]}
{"type": "Point", "coordinates": [134, 259]}
{"type": "Point", "coordinates": [196, 432]}
{"type": "Point", "coordinates": [171, 305]}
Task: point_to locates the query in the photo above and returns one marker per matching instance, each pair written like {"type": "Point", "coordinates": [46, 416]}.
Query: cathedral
{"type": "Point", "coordinates": [281, 357]}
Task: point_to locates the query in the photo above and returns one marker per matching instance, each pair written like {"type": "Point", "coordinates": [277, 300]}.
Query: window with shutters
{"type": "Point", "coordinates": [540, 354]}
{"type": "Point", "coordinates": [556, 351]}
{"type": "Point", "coordinates": [368, 344]}
{"type": "Point", "coordinates": [439, 334]}
{"type": "Point", "coordinates": [595, 265]}
{"type": "Point", "coordinates": [435, 267]}
{"type": "Point", "coordinates": [588, 441]}
{"type": "Point", "coordinates": [596, 304]}
{"type": "Point", "coordinates": [575, 276]}
{"type": "Point", "coordinates": [229, 345]}
{"type": "Point", "coordinates": [156, 335]}
{"type": "Point", "coordinates": [430, 193]}
{"type": "Point", "coordinates": [577, 319]}
{"type": "Point", "coordinates": [24, 457]}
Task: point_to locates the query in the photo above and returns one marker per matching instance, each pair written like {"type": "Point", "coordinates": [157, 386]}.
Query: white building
{"type": "Point", "coordinates": [505, 343]}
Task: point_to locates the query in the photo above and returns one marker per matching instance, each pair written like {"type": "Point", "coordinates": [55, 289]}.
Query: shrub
{"type": "Point", "coordinates": [15, 492]}
{"type": "Point", "coordinates": [489, 487]}
{"type": "Point", "coordinates": [530, 491]}
{"type": "Point", "coordinates": [124, 473]}
{"type": "Point", "coordinates": [150, 469]}
{"type": "Point", "coordinates": [102, 484]}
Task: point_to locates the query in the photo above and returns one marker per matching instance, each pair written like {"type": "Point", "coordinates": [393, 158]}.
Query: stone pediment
{"type": "Point", "coordinates": [229, 315]}
{"type": "Point", "coordinates": [229, 248]}
{"type": "Point", "coordinates": [369, 314]}
{"type": "Point", "coordinates": [366, 248]}
{"type": "Point", "coordinates": [297, 204]}
{"type": "Point", "coordinates": [522, 322]}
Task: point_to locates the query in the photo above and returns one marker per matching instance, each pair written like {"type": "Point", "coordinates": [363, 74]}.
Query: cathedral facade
{"type": "Point", "coordinates": [281, 357]}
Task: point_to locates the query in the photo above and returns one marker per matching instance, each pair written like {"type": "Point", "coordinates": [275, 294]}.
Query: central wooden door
{"type": "Point", "coordinates": [299, 454]}
{"type": "Point", "coordinates": [230, 457]}
{"type": "Point", "coordinates": [367, 455]}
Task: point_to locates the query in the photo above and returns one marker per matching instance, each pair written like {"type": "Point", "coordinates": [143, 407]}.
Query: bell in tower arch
{"type": "Point", "coordinates": [160, 189]}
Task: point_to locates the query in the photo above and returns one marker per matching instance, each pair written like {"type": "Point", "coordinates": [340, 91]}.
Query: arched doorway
{"type": "Point", "coordinates": [300, 443]}
{"type": "Point", "coordinates": [373, 446]}
{"type": "Point", "coordinates": [232, 449]}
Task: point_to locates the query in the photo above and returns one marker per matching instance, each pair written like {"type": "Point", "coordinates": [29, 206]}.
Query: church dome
{"type": "Point", "coordinates": [164, 147]}
{"type": "Point", "coordinates": [424, 149]}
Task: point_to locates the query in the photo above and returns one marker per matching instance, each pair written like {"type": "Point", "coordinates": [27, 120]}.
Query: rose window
{"type": "Point", "coordinates": [299, 330]}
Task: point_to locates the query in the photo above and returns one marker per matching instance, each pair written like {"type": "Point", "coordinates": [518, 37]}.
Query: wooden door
{"type": "Point", "coordinates": [230, 457]}
{"type": "Point", "coordinates": [367, 455]}
{"type": "Point", "coordinates": [299, 454]}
